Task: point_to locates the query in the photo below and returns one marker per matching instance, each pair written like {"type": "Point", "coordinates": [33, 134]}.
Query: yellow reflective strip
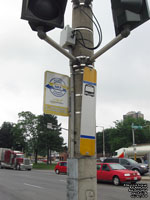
{"type": "Point", "coordinates": [90, 75]}
{"type": "Point", "coordinates": [56, 110]}
{"type": "Point", "coordinates": [87, 147]}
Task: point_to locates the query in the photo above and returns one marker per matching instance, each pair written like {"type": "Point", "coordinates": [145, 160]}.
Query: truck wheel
{"type": "Point", "coordinates": [18, 167]}
{"type": "Point", "coordinates": [1, 167]}
{"type": "Point", "coordinates": [116, 180]}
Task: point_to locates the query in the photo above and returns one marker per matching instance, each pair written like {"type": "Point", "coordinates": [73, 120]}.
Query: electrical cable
{"type": "Point", "coordinates": [98, 30]}
{"type": "Point", "coordinates": [82, 43]}
{"type": "Point", "coordinates": [101, 35]}
{"type": "Point", "coordinates": [98, 27]}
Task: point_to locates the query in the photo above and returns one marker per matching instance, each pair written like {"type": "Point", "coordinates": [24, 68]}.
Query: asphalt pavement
{"type": "Point", "coordinates": [45, 184]}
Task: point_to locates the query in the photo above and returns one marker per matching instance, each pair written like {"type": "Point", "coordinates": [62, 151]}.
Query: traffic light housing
{"type": "Point", "coordinates": [47, 14]}
{"type": "Point", "coordinates": [129, 13]}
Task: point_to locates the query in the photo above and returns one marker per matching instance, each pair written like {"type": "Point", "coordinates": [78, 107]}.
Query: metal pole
{"type": "Point", "coordinates": [103, 143]}
{"type": "Point", "coordinates": [42, 35]}
{"type": "Point", "coordinates": [103, 139]}
{"type": "Point", "coordinates": [133, 136]}
{"type": "Point", "coordinates": [71, 118]}
{"type": "Point", "coordinates": [121, 36]}
{"type": "Point", "coordinates": [81, 180]}
{"type": "Point", "coordinates": [134, 145]}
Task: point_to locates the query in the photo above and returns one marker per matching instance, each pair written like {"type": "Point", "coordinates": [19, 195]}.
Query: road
{"type": "Point", "coordinates": [46, 185]}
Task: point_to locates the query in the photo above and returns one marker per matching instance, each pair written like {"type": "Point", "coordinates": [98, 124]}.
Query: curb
{"type": "Point", "coordinates": [144, 178]}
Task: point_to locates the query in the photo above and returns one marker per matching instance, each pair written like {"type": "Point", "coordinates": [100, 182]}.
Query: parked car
{"type": "Point", "coordinates": [61, 167]}
{"type": "Point", "coordinates": [129, 164]}
{"type": "Point", "coordinates": [116, 173]}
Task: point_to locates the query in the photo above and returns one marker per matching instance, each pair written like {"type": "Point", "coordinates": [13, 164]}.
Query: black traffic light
{"type": "Point", "coordinates": [47, 14]}
{"type": "Point", "coordinates": [129, 13]}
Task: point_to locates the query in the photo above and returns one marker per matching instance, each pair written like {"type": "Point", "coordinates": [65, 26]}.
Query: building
{"type": "Point", "coordinates": [134, 114]}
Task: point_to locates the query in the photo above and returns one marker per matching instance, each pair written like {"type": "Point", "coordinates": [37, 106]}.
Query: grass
{"type": "Point", "coordinates": [44, 166]}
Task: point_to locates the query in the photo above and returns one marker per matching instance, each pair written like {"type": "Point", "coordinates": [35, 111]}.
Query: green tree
{"type": "Point", "coordinates": [28, 124]}
{"type": "Point", "coordinates": [108, 134]}
{"type": "Point", "coordinates": [6, 135]}
{"type": "Point", "coordinates": [19, 139]}
{"type": "Point", "coordinates": [121, 135]}
{"type": "Point", "coordinates": [11, 136]}
{"type": "Point", "coordinates": [50, 139]}
{"type": "Point", "coordinates": [99, 142]}
{"type": "Point", "coordinates": [124, 131]}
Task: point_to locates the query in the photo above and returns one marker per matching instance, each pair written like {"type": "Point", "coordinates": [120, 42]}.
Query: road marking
{"type": "Point", "coordinates": [24, 175]}
{"type": "Point", "coordinates": [33, 185]}
{"type": "Point", "coordinates": [63, 181]}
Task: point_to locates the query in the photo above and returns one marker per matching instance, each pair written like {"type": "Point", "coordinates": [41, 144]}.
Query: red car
{"type": "Point", "coordinates": [61, 167]}
{"type": "Point", "coordinates": [116, 173]}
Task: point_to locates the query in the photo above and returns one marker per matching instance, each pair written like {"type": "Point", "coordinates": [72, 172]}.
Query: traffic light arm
{"type": "Point", "coordinates": [42, 35]}
{"type": "Point", "coordinates": [117, 39]}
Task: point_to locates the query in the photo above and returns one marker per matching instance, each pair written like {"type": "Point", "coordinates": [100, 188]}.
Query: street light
{"type": "Point", "coordinates": [103, 140]}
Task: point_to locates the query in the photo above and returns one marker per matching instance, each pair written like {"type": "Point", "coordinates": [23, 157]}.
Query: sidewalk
{"type": "Point", "coordinates": [146, 177]}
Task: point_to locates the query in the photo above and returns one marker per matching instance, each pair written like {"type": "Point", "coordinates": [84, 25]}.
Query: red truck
{"type": "Point", "coordinates": [14, 160]}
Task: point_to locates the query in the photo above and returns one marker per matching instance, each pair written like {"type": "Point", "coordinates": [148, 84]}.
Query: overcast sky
{"type": "Point", "coordinates": [123, 71]}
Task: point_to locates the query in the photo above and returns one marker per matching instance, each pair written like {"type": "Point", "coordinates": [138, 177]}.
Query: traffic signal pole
{"type": "Point", "coordinates": [81, 181]}
{"type": "Point", "coordinates": [125, 33]}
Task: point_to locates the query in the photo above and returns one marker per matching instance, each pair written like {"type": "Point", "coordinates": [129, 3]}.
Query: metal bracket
{"type": "Point", "coordinates": [80, 61]}
{"type": "Point", "coordinates": [125, 33]}
{"type": "Point", "coordinates": [42, 35]}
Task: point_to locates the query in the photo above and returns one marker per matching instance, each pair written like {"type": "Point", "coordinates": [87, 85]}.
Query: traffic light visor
{"type": "Point", "coordinates": [129, 13]}
{"type": "Point", "coordinates": [47, 14]}
{"type": "Point", "coordinates": [133, 5]}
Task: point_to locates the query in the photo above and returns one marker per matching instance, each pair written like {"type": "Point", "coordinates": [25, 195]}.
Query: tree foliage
{"type": "Point", "coordinates": [50, 139]}
{"type": "Point", "coordinates": [11, 136]}
{"type": "Point", "coordinates": [32, 135]}
{"type": "Point", "coordinates": [121, 135]}
{"type": "Point", "coordinates": [28, 125]}
{"type": "Point", "coordinates": [6, 135]}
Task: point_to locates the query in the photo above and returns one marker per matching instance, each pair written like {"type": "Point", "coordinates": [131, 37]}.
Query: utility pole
{"type": "Point", "coordinates": [82, 181]}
